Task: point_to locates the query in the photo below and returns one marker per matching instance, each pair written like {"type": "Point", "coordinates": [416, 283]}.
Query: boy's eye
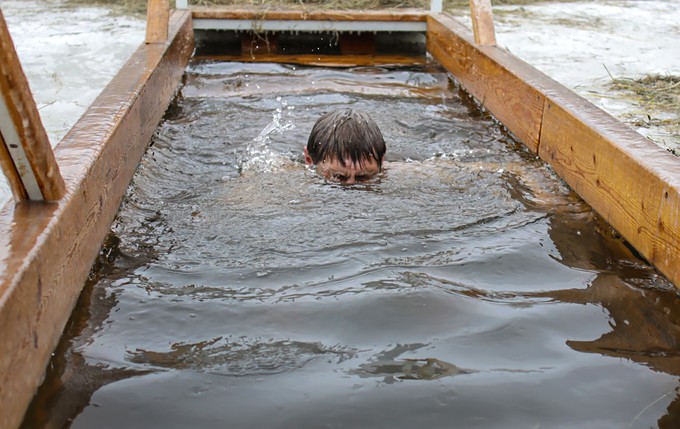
{"type": "Point", "coordinates": [362, 178]}
{"type": "Point", "coordinates": [340, 177]}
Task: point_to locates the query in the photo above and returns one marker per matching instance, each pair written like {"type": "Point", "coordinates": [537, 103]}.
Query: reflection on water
{"type": "Point", "coordinates": [465, 285]}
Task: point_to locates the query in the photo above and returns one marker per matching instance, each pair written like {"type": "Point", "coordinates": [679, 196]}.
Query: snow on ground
{"type": "Point", "coordinates": [581, 43]}
{"type": "Point", "coordinates": [70, 54]}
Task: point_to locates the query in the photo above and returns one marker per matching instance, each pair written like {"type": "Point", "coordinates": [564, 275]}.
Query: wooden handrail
{"type": "Point", "coordinates": [26, 155]}
{"type": "Point", "coordinates": [482, 22]}
{"type": "Point", "coordinates": [157, 18]}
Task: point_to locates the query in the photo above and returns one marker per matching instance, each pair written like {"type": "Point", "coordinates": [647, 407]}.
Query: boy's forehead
{"type": "Point", "coordinates": [368, 165]}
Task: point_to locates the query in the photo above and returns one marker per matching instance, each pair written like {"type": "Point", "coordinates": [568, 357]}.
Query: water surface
{"type": "Point", "coordinates": [466, 286]}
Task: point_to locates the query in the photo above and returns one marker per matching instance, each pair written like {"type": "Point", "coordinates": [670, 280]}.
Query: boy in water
{"type": "Point", "coordinates": [346, 146]}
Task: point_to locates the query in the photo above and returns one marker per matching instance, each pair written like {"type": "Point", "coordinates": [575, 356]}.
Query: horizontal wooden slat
{"type": "Point", "coordinates": [403, 15]}
{"type": "Point", "coordinates": [48, 249]}
{"type": "Point", "coordinates": [322, 60]}
{"type": "Point", "coordinates": [490, 75]}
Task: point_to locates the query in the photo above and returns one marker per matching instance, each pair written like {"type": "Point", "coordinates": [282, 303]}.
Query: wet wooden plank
{"type": "Point", "coordinates": [157, 18]}
{"type": "Point", "coordinates": [23, 135]}
{"type": "Point", "coordinates": [402, 15]}
{"type": "Point", "coordinates": [47, 249]}
{"type": "Point", "coordinates": [631, 182]}
{"type": "Point", "coordinates": [321, 60]}
{"type": "Point", "coordinates": [491, 75]}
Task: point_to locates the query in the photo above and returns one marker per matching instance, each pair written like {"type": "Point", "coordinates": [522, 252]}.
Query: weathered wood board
{"type": "Point", "coordinates": [632, 183]}
{"type": "Point", "coordinates": [47, 249]}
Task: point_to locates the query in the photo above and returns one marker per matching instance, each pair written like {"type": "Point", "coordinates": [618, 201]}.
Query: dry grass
{"type": "Point", "coordinates": [657, 98]}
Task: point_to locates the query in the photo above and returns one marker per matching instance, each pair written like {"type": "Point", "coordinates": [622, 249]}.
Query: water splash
{"type": "Point", "coordinates": [259, 157]}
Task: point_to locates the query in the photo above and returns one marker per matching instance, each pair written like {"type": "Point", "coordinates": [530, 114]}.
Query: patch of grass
{"type": "Point", "coordinates": [657, 92]}
{"type": "Point", "coordinates": [657, 98]}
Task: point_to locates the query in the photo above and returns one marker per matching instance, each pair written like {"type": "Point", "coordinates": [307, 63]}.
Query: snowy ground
{"type": "Point", "coordinates": [70, 54]}
{"type": "Point", "coordinates": [581, 43]}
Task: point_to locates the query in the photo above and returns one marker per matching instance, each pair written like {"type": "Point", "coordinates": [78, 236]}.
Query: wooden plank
{"type": "Point", "coordinates": [321, 60]}
{"type": "Point", "coordinates": [23, 135]}
{"type": "Point", "coordinates": [255, 44]}
{"type": "Point", "coordinates": [491, 75]}
{"type": "Point", "coordinates": [13, 178]}
{"type": "Point", "coordinates": [631, 182]}
{"type": "Point", "coordinates": [398, 15]}
{"type": "Point", "coordinates": [157, 17]}
{"type": "Point", "coordinates": [482, 22]}
{"type": "Point", "coordinates": [48, 249]}
{"type": "Point", "coordinates": [357, 43]}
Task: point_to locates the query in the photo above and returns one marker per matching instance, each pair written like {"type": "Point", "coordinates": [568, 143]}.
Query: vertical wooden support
{"type": "Point", "coordinates": [26, 155]}
{"type": "Point", "coordinates": [482, 22]}
{"type": "Point", "coordinates": [157, 18]}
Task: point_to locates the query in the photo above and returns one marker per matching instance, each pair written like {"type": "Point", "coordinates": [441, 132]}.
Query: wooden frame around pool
{"type": "Point", "coordinates": [47, 249]}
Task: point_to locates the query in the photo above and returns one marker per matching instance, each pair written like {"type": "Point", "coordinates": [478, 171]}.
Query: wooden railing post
{"type": "Point", "coordinates": [26, 155]}
{"type": "Point", "coordinates": [157, 18]}
{"type": "Point", "coordinates": [482, 22]}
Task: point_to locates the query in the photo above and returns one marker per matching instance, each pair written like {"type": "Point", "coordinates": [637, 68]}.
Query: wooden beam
{"type": "Point", "coordinates": [491, 75]}
{"type": "Point", "coordinates": [31, 169]}
{"type": "Point", "coordinates": [482, 22]}
{"type": "Point", "coordinates": [395, 15]}
{"type": "Point", "coordinates": [157, 16]}
{"type": "Point", "coordinates": [323, 60]}
{"type": "Point", "coordinates": [48, 249]}
{"type": "Point", "coordinates": [631, 182]}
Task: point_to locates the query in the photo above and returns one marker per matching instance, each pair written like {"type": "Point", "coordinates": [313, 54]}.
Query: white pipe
{"type": "Point", "coordinates": [181, 4]}
{"type": "Point", "coordinates": [436, 6]}
{"type": "Point", "coordinates": [311, 25]}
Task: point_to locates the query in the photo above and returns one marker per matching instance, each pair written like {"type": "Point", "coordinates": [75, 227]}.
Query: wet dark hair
{"type": "Point", "coordinates": [346, 134]}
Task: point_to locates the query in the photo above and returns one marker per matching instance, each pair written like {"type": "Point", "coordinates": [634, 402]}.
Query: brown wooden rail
{"type": "Point", "coordinates": [628, 180]}
{"type": "Point", "coordinates": [392, 15]}
{"type": "Point", "coordinates": [47, 249]}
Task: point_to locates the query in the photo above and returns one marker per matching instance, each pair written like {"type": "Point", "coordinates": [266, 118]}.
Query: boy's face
{"type": "Point", "coordinates": [349, 173]}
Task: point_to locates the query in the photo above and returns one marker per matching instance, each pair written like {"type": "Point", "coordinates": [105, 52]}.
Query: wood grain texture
{"type": "Point", "coordinates": [631, 182]}
{"type": "Point", "coordinates": [405, 15]}
{"type": "Point", "coordinates": [157, 17]}
{"type": "Point", "coordinates": [47, 249]}
{"type": "Point", "coordinates": [27, 125]}
{"type": "Point", "coordinates": [321, 60]}
{"type": "Point", "coordinates": [491, 75]}
{"type": "Point", "coordinates": [482, 22]}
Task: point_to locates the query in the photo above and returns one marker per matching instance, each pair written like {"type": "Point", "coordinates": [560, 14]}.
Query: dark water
{"type": "Point", "coordinates": [465, 287]}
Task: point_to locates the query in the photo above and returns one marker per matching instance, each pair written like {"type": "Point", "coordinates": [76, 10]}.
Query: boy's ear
{"type": "Point", "coordinates": [308, 159]}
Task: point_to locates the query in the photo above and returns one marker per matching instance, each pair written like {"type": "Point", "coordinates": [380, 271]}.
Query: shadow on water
{"type": "Point", "coordinates": [467, 284]}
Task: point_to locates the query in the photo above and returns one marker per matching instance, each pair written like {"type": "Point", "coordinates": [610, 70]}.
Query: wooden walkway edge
{"type": "Point", "coordinates": [630, 181]}
{"type": "Point", "coordinates": [47, 249]}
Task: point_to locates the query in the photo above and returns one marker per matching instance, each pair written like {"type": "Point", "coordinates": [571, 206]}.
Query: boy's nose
{"type": "Point", "coordinates": [350, 180]}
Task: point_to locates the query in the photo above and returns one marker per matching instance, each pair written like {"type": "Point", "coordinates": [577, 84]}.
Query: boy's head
{"type": "Point", "coordinates": [346, 146]}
